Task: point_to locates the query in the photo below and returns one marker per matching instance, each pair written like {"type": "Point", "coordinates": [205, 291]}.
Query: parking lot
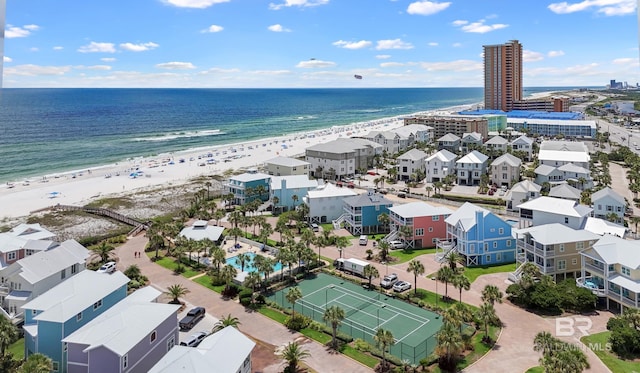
{"type": "Point", "coordinates": [205, 325]}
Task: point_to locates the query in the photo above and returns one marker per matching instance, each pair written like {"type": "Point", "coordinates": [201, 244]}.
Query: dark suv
{"type": "Point", "coordinates": [191, 319]}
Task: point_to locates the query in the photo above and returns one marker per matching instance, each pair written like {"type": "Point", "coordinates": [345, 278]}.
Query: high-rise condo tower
{"type": "Point", "coordinates": [502, 75]}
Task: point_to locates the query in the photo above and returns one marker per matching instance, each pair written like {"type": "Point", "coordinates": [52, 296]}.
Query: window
{"type": "Point", "coordinates": [562, 265]}
{"type": "Point", "coordinates": [487, 258]}
{"type": "Point", "coordinates": [486, 247]}
{"type": "Point", "coordinates": [498, 257]}
{"type": "Point", "coordinates": [574, 261]}
{"type": "Point", "coordinates": [420, 232]}
{"type": "Point", "coordinates": [561, 249]}
{"type": "Point", "coordinates": [611, 268]}
{"type": "Point", "coordinates": [79, 316]}
{"type": "Point", "coordinates": [626, 271]}
{"type": "Point", "coordinates": [11, 255]}
{"type": "Point", "coordinates": [97, 304]}
{"type": "Point", "coordinates": [434, 240]}
{"type": "Point", "coordinates": [153, 336]}
{"type": "Point", "coordinates": [125, 361]}
{"type": "Point", "coordinates": [63, 274]}
{"type": "Point", "coordinates": [500, 231]}
{"type": "Point", "coordinates": [508, 243]}
{"type": "Point", "coordinates": [56, 366]}
{"type": "Point", "coordinates": [566, 220]}
{"type": "Point", "coordinates": [65, 347]}
{"type": "Point", "coordinates": [435, 218]}
{"type": "Point", "coordinates": [171, 342]}
{"type": "Point", "coordinates": [495, 244]}
{"type": "Point", "coordinates": [74, 269]}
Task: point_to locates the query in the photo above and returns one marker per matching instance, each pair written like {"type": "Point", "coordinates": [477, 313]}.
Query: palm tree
{"type": "Point", "coordinates": [449, 346]}
{"type": "Point", "coordinates": [453, 259]}
{"type": "Point", "coordinates": [445, 274]}
{"type": "Point", "coordinates": [491, 294]}
{"type": "Point", "coordinates": [227, 274]}
{"type": "Point", "coordinates": [224, 322]}
{"type": "Point", "coordinates": [461, 282]}
{"type": "Point", "coordinates": [370, 272]}
{"type": "Point", "coordinates": [530, 272]}
{"type": "Point", "coordinates": [384, 339]}
{"type": "Point", "coordinates": [635, 220]}
{"type": "Point", "coordinates": [103, 250]}
{"type": "Point", "coordinates": [384, 248]}
{"type": "Point", "coordinates": [545, 342]}
{"type": "Point", "coordinates": [341, 244]}
{"type": "Point", "coordinates": [243, 260]}
{"type": "Point", "coordinates": [37, 363]}
{"type": "Point", "coordinates": [175, 292]}
{"type": "Point", "coordinates": [334, 315]}
{"type": "Point", "coordinates": [292, 296]}
{"type": "Point", "coordinates": [293, 354]}
{"type": "Point", "coordinates": [264, 265]}
{"type": "Point", "coordinates": [8, 334]}
{"type": "Point", "coordinates": [486, 314]}
{"type": "Point", "coordinates": [428, 189]}
{"type": "Point", "coordinates": [217, 257]}
{"type": "Point", "coordinates": [384, 220]}
{"type": "Point", "coordinates": [252, 280]}
{"type": "Point", "coordinates": [294, 198]}
{"type": "Point", "coordinates": [417, 268]}
{"type": "Point", "coordinates": [632, 316]}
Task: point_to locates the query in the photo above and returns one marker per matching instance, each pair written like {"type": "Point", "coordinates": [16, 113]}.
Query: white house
{"type": "Point", "coordinates": [471, 167]}
{"type": "Point", "coordinates": [439, 165]}
{"type": "Point", "coordinates": [283, 188]}
{"type": "Point", "coordinates": [449, 142]}
{"type": "Point", "coordinates": [325, 202]}
{"type": "Point", "coordinates": [411, 163]}
{"type": "Point", "coordinates": [470, 138]}
{"type": "Point", "coordinates": [505, 169]}
{"type": "Point", "coordinates": [497, 144]}
{"type": "Point", "coordinates": [281, 166]}
{"type": "Point", "coordinates": [523, 144]}
{"type": "Point", "coordinates": [342, 157]}
{"type": "Point", "coordinates": [228, 350]}
{"type": "Point", "coordinates": [420, 132]}
{"type": "Point", "coordinates": [547, 210]}
{"type": "Point", "coordinates": [390, 141]}
{"type": "Point", "coordinates": [605, 202]}
{"type": "Point", "coordinates": [558, 153]}
{"type": "Point", "coordinates": [521, 192]}
{"type": "Point", "coordinates": [24, 240]}
{"type": "Point", "coordinates": [201, 230]}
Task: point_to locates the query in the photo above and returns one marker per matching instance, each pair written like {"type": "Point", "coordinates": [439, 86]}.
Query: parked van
{"type": "Point", "coordinates": [363, 240]}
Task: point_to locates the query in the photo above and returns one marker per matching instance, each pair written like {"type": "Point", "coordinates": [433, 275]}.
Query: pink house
{"type": "Point", "coordinates": [426, 222]}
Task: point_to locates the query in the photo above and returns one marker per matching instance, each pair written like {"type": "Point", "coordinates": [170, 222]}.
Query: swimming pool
{"type": "Point", "coordinates": [248, 267]}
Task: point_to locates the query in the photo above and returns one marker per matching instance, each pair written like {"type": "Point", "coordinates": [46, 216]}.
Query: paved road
{"type": "Point", "coordinates": [252, 323]}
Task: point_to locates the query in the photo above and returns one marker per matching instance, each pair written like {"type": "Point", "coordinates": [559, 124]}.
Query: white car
{"type": "Point", "coordinates": [396, 244]}
{"type": "Point", "coordinates": [194, 339]}
{"type": "Point", "coordinates": [401, 286]}
{"type": "Point", "coordinates": [108, 267]}
{"type": "Point", "coordinates": [388, 280]}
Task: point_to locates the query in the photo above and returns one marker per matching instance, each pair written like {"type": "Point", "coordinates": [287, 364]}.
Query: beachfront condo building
{"type": "Point", "coordinates": [286, 166]}
{"type": "Point", "coordinates": [553, 104]}
{"type": "Point", "coordinates": [502, 75]}
{"type": "Point", "coordinates": [454, 124]}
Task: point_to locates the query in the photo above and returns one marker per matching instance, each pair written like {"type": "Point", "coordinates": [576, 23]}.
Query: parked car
{"type": "Point", "coordinates": [191, 319]}
{"type": "Point", "coordinates": [402, 195]}
{"type": "Point", "coordinates": [108, 267]}
{"type": "Point", "coordinates": [194, 339]}
{"type": "Point", "coordinates": [397, 244]}
{"type": "Point", "coordinates": [315, 227]}
{"type": "Point", "coordinates": [389, 280]}
{"type": "Point", "coordinates": [401, 286]}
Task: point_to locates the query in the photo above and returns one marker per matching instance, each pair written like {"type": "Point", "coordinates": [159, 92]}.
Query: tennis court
{"type": "Point", "coordinates": [413, 328]}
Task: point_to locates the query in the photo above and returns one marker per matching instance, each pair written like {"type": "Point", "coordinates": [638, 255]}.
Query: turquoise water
{"type": "Point", "coordinates": [248, 267]}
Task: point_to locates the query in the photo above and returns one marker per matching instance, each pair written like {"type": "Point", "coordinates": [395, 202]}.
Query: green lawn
{"type": "Point", "coordinates": [474, 272]}
{"type": "Point", "coordinates": [479, 349]}
{"type": "Point", "coordinates": [170, 263]}
{"type": "Point", "coordinates": [429, 297]}
{"type": "Point", "coordinates": [17, 349]}
{"type": "Point", "coordinates": [597, 343]}
{"type": "Point", "coordinates": [206, 282]}
{"type": "Point", "coordinates": [407, 255]}
{"type": "Point", "coordinates": [358, 356]}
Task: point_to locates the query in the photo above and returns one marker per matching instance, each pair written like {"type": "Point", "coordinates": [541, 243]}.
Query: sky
{"type": "Point", "coordinates": [313, 43]}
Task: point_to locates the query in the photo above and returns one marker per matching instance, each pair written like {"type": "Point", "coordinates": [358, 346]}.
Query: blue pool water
{"type": "Point", "coordinates": [511, 222]}
{"type": "Point", "coordinates": [248, 267]}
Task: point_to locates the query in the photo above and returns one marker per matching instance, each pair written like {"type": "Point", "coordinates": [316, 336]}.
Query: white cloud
{"type": "Point", "coordinates": [479, 27]}
{"type": "Point", "coordinates": [34, 49]}
{"type": "Point", "coordinates": [19, 32]}
{"type": "Point", "coordinates": [138, 47]}
{"type": "Point", "coordinates": [213, 28]}
{"type": "Point", "coordinates": [58, 48]}
{"type": "Point", "coordinates": [269, 72]}
{"type": "Point", "coordinates": [7, 59]}
{"type": "Point", "coordinates": [36, 70]}
{"type": "Point", "coordinates": [94, 47]}
{"type": "Point", "coordinates": [217, 70]}
{"type": "Point", "coordinates": [93, 67]}
{"type": "Point", "coordinates": [531, 56]}
{"type": "Point", "coordinates": [278, 28]}
{"type": "Point", "coordinates": [393, 44]}
{"type": "Point", "coordinates": [176, 66]}
{"type": "Point", "coordinates": [199, 4]}
{"type": "Point", "coordinates": [383, 56]}
{"type": "Point", "coordinates": [624, 61]}
{"type": "Point", "coordinates": [606, 7]}
{"type": "Point", "coordinates": [352, 45]}
{"type": "Point", "coordinates": [108, 59]}
{"type": "Point", "coordinates": [391, 64]}
{"type": "Point", "coordinates": [426, 8]}
{"type": "Point", "coordinates": [458, 65]}
{"type": "Point", "coordinates": [456, 45]}
{"type": "Point", "coordinates": [315, 64]}
{"type": "Point", "coordinates": [555, 53]}
{"type": "Point", "coordinates": [298, 3]}
{"type": "Point", "coordinates": [459, 22]}
{"type": "Point", "coordinates": [432, 44]}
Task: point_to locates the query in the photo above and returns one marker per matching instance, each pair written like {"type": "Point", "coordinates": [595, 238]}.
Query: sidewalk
{"type": "Point", "coordinates": [252, 323]}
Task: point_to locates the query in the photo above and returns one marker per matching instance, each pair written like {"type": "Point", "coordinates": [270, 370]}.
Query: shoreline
{"type": "Point", "coordinates": [81, 186]}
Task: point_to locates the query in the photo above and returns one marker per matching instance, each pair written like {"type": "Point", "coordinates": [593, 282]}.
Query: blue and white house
{"type": "Point", "coordinates": [283, 188]}
{"type": "Point", "coordinates": [361, 212]}
{"type": "Point", "coordinates": [248, 186]}
{"type": "Point", "coordinates": [479, 235]}
{"type": "Point", "coordinates": [67, 307]}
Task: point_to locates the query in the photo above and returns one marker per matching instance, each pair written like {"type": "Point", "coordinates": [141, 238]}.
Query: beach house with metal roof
{"type": "Point", "coordinates": [607, 203]}
{"type": "Point", "coordinates": [283, 166]}
{"type": "Point", "coordinates": [547, 210]}
{"type": "Point", "coordinates": [201, 230]}
{"type": "Point", "coordinates": [440, 165]}
{"type": "Point", "coordinates": [361, 212]}
{"type": "Point", "coordinates": [479, 235]}
{"type": "Point", "coordinates": [132, 336]}
{"type": "Point", "coordinates": [342, 157]}
{"type": "Point", "coordinates": [565, 191]}
{"type": "Point", "coordinates": [497, 144]}
{"type": "Point", "coordinates": [521, 192]}
{"type": "Point", "coordinates": [471, 167]}
{"type": "Point", "coordinates": [523, 144]}
{"type": "Point", "coordinates": [449, 142]}
{"type": "Point", "coordinates": [420, 132]}
{"type": "Point", "coordinates": [284, 188]}
{"type": "Point", "coordinates": [24, 240]}
{"type": "Point", "coordinates": [391, 141]}
{"type": "Point", "coordinates": [425, 222]}
{"type": "Point", "coordinates": [67, 307]}
{"type": "Point", "coordinates": [226, 351]}
{"type": "Point", "coordinates": [554, 248]}
{"type": "Point", "coordinates": [248, 186]}
{"type": "Point", "coordinates": [411, 164]}
{"type": "Point", "coordinates": [611, 269]}
{"type": "Point", "coordinates": [557, 153]}
{"type": "Point", "coordinates": [505, 170]}
{"type": "Point", "coordinates": [35, 274]}
{"type": "Point", "coordinates": [470, 140]}
{"type": "Point", "coordinates": [325, 202]}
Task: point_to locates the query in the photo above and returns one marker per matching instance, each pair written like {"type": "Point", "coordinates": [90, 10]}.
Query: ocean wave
{"type": "Point", "coordinates": [180, 135]}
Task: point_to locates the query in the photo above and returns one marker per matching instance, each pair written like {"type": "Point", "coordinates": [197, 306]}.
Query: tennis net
{"type": "Point", "coordinates": [355, 307]}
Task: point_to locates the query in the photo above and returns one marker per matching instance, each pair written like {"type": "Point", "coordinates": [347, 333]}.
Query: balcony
{"type": "Point", "coordinates": [628, 302]}
{"type": "Point", "coordinates": [594, 268]}
{"type": "Point", "coordinates": [585, 282]}
{"type": "Point", "coordinates": [4, 290]}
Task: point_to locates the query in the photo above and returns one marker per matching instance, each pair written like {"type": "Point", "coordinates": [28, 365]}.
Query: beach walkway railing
{"type": "Point", "coordinates": [138, 225]}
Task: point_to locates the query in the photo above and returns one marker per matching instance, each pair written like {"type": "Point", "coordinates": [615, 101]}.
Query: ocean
{"type": "Point", "coordinates": [47, 131]}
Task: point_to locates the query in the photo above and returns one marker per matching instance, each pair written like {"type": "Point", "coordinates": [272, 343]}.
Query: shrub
{"type": "Point", "coordinates": [361, 345]}
{"type": "Point", "coordinates": [297, 322]}
{"type": "Point", "coordinates": [230, 291]}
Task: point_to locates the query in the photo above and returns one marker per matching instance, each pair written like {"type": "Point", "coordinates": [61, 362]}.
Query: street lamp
{"type": "Point", "coordinates": [378, 313]}
{"type": "Point", "coordinates": [326, 295]}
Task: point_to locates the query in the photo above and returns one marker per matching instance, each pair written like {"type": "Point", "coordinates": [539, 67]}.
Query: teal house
{"type": "Point", "coordinates": [361, 213]}
{"type": "Point", "coordinates": [67, 307]}
{"type": "Point", "coordinates": [248, 186]}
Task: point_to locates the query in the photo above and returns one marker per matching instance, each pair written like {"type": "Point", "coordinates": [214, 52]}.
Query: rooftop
{"type": "Point", "coordinates": [413, 155]}
{"type": "Point", "coordinates": [507, 158]}
{"type": "Point", "coordinates": [286, 162]}
{"type": "Point", "coordinates": [330, 190]}
{"type": "Point", "coordinates": [557, 206]}
{"type": "Point", "coordinates": [292, 182]}
{"type": "Point", "coordinates": [608, 192]}
{"type": "Point", "coordinates": [551, 234]}
{"type": "Point", "coordinates": [473, 157]}
{"type": "Point", "coordinates": [418, 209]}
{"type": "Point", "coordinates": [443, 155]}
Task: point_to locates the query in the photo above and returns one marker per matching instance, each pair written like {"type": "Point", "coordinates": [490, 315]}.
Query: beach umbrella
{"type": "Point", "coordinates": [54, 194]}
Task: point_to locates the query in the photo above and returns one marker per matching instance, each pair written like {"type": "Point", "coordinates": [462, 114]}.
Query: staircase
{"type": "Point", "coordinates": [515, 276]}
{"type": "Point", "coordinates": [443, 248]}
{"type": "Point", "coordinates": [337, 224]}
{"type": "Point", "coordinates": [264, 206]}
{"type": "Point", "coordinates": [391, 236]}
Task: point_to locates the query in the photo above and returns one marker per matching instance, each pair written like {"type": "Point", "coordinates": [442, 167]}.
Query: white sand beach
{"type": "Point", "coordinates": [83, 186]}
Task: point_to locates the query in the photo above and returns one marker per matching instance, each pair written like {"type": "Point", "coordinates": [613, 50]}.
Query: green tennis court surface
{"type": "Point", "coordinates": [413, 328]}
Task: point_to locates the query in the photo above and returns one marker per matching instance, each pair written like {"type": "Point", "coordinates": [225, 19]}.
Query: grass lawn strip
{"type": "Point", "coordinates": [615, 364]}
